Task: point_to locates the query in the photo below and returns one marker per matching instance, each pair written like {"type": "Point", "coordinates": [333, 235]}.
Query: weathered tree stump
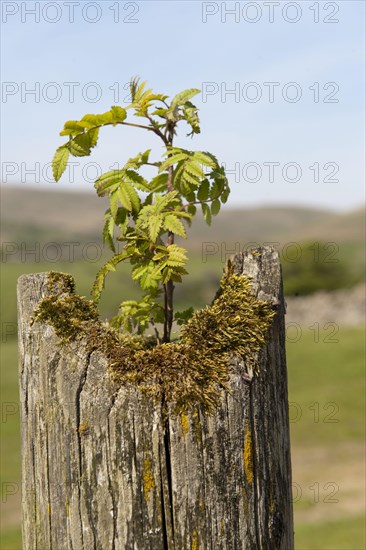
{"type": "Point", "coordinates": [99, 470]}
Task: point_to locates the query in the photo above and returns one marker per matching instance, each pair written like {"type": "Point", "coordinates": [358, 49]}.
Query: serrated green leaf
{"type": "Point", "coordinates": [173, 263]}
{"type": "Point", "coordinates": [207, 159]}
{"type": "Point", "coordinates": [177, 253]}
{"type": "Point", "coordinates": [134, 82]}
{"type": "Point", "coordinates": [173, 224]}
{"type": "Point", "coordinates": [108, 182]}
{"type": "Point", "coordinates": [59, 161]}
{"type": "Point", "coordinates": [73, 127]}
{"type": "Point", "coordinates": [138, 271]}
{"type": "Point", "coordinates": [76, 150]}
{"type": "Point", "coordinates": [192, 181]}
{"type": "Point", "coordinates": [166, 275]}
{"type": "Point", "coordinates": [160, 112]}
{"type": "Point", "coordinates": [191, 197]}
{"type": "Point", "coordinates": [217, 188]}
{"type": "Point", "coordinates": [182, 214]}
{"type": "Point", "coordinates": [174, 159]}
{"type": "Point", "coordinates": [155, 223]}
{"type": "Point", "coordinates": [203, 191]}
{"type": "Point", "coordinates": [118, 113]}
{"type": "Point", "coordinates": [149, 199]}
{"type": "Point", "coordinates": [184, 96]}
{"type": "Point", "coordinates": [177, 175]}
{"type": "Point", "coordinates": [89, 119]}
{"type": "Point", "coordinates": [215, 207]}
{"type": "Point", "coordinates": [159, 183]}
{"type": "Point", "coordinates": [139, 91]}
{"type": "Point", "coordinates": [102, 119]}
{"type": "Point", "coordinates": [80, 145]}
{"type": "Point", "coordinates": [206, 213]}
{"type": "Point", "coordinates": [124, 196]}
{"type": "Point", "coordinates": [225, 195]}
{"type": "Point", "coordinates": [97, 120]}
{"type": "Point", "coordinates": [191, 116]}
{"type": "Point", "coordinates": [108, 231]}
{"type": "Point", "coordinates": [150, 279]}
{"type": "Point", "coordinates": [93, 136]}
{"type": "Point", "coordinates": [103, 272]}
{"type": "Point", "coordinates": [173, 273]}
{"type": "Point", "coordinates": [122, 219]}
{"type": "Point", "coordinates": [113, 199]}
{"type": "Point", "coordinates": [192, 209]}
{"type": "Point", "coordinates": [145, 156]}
{"type": "Point", "coordinates": [132, 193]}
{"type": "Point", "coordinates": [136, 179]}
{"type": "Point", "coordinates": [194, 169]}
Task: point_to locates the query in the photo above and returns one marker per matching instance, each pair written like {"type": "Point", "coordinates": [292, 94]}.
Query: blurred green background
{"type": "Point", "coordinates": [320, 250]}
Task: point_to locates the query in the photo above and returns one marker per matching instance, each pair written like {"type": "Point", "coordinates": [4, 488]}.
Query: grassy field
{"type": "Point", "coordinates": [326, 392]}
{"type": "Point", "coordinates": [327, 415]}
{"type": "Point", "coordinates": [332, 535]}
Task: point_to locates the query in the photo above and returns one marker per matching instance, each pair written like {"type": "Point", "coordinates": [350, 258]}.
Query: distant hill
{"type": "Point", "coordinates": [33, 214]}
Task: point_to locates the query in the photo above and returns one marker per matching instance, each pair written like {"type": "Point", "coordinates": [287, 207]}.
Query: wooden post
{"type": "Point", "coordinates": [99, 471]}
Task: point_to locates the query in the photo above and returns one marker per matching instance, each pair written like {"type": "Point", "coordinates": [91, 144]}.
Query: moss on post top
{"type": "Point", "coordinates": [69, 314]}
{"type": "Point", "coordinates": [60, 283]}
{"type": "Point", "coordinates": [187, 373]}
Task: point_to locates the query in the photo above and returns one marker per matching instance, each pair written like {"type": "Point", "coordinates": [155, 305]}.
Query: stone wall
{"type": "Point", "coordinates": [345, 307]}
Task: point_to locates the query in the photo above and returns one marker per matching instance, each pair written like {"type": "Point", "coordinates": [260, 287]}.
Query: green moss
{"type": "Point", "coordinates": [60, 282]}
{"type": "Point", "coordinates": [70, 315]}
{"type": "Point", "coordinates": [188, 373]}
{"type": "Point", "coordinates": [236, 322]}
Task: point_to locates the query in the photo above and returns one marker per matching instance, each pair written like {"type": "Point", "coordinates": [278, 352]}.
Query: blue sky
{"type": "Point", "coordinates": [292, 133]}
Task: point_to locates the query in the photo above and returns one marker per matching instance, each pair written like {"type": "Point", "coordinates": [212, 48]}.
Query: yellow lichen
{"type": "Point", "coordinates": [248, 453]}
{"type": "Point", "coordinates": [148, 477]}
{"type": "Point", "coordinates": [194, 540]}
{"type": "Point", "coordinates": [184, 421]}
{"type": "Point", "coordinates": [83, 428]}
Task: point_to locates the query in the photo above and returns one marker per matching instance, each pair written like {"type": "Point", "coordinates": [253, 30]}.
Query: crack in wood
{"type": "Point", "coordinates": [110, 487]}
{"type": "Point", "coordinates": [169, 474]}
